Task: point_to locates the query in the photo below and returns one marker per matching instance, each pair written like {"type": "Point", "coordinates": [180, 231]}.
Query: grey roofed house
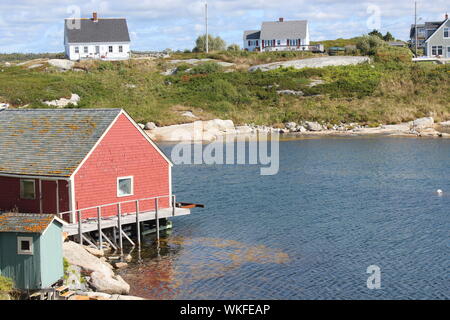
{"type": "Point", "coordinates": [296, 29]}
{"type": "Point", "coordinates": [49, 142]}
{"type": "Point", "coordinates": [252, 35]}
{"type": "Point", "coordinates": [95, 31]}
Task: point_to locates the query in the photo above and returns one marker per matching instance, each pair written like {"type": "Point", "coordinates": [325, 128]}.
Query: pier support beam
{"type": "Point", "coordinates": [119, 223]}
{"type": "Point", "coordinates": [138, 226]}
{"type": "Point", "coordinates": [99, 218]}
{"type": "Point", "coordinates": [157, 219]}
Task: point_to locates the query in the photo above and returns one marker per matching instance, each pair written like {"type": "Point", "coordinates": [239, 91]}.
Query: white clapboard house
{"type": "Point", "coordinates": [280, 35]}
{"type": "Point", "coordinates": [95, 38]}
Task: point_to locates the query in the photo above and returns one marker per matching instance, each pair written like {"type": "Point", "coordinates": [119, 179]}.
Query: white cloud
{"type": "Point", "coordinates": [156, 25]}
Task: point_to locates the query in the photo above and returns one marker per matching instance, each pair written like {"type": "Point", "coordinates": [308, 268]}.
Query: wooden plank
{"type": "Point", "coordinates": [128, 238]}
{"type": "Point", "coordinates": [109, 241]}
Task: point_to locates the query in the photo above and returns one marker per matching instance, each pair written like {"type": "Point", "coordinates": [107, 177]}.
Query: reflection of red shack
{"type": "Point", "coordinates": [61, 161]}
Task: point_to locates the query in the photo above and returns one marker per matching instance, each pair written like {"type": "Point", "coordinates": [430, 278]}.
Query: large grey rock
{"type": "Point", "coordinates": [78, 256]}
{"type": "Point", "coordinates": [313, 126]}
{"type": "Point", "coordinates": [73, 279]}
{"type": "Point", "coordinates": [445, 124]}
{"type": "Point", "coordinates": [63, 102]}
{"type": "Point", "coordinates": [291, 92]}
{"type": "Point", "coordinates": [61, 63]}
{"type": "Point", "coordinates": [107, 284]}
{"type": "Point", "coordinates": [312, 63]}
{"type": "Point", "coordinates": [422, 123]}
{"type": "Point", "coordinates": [150, 126]}
{"type": "Point", "coordinates": [291, 126]}
{"type": "Point", "coordinates": [195, 131]}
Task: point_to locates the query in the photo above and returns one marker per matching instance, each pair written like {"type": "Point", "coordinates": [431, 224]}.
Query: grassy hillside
{"type": "Point", "coordinates": [388, 91]}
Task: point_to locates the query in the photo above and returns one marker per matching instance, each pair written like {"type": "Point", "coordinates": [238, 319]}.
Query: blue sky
{"type": "Point", "coordinates": [37, 26]}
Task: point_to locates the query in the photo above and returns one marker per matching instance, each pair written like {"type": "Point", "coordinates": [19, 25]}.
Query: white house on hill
{"type": "Point", "coordinates": [280, 36]}
{"type": "Point", "coordinates": [94, 38]}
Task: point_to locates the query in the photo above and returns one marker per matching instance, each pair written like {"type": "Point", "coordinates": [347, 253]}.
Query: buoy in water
{"type": "Point", "coordinates": [439, 191]}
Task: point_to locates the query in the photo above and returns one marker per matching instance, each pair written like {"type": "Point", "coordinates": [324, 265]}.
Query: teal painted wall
{"type": "Point", "coordinates": [52, 268]}
{"type": "Point", "coordinates": [23, 269]}
{"type": "Point", "coordinates": [40, 270]}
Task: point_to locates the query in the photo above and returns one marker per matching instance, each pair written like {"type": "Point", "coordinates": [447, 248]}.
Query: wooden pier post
{"type": "Point", "coordinates": [174, 202]}
{"type": "Point", "coordinates": [138, 225]}
{"type": "Point", "coordinates": [80, 233]}
{"type": "Point", "coordinates": [119, 222]}
{"type": "Point", "coordinates": [157, 219]}
{"type": "Point", "coordinates": [100, 236]}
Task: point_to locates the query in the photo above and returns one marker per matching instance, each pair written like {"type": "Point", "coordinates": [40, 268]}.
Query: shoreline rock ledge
{"type": "Point", "coordinates": [100, 273]}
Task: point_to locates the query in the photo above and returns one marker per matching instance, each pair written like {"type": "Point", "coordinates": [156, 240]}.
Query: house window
{"type": "Point", "coordinates": [110, 49]}
{"type": "Point", "coordinates": [85, 49]}
{"type": "Point", "coordinates": [120, 48]}
{"type": "Point", "coordinates": [27, 189]}
{"type": "Point", "coordinates": [278, 42]}
{"type": "Point", "coordinates": [257, 44]}
{"type": "Point", "coordinates": [77, 49]}
{"type": "Point", "coordinates": [97, 49]}
{"type": "Point", "coordinates": [125, 186]}
{"type": "Point", "coordinates": [446, 32]}
{"type": "Point", "coordinates": [24, 245]}
{"type": "Point", "coordinates": [436, 50]}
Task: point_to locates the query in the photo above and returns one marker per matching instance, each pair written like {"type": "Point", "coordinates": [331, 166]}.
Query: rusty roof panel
{"type": "Point", "coordinates": [49, 142]}
{"type": "Point", "coordinates": [25, 222]}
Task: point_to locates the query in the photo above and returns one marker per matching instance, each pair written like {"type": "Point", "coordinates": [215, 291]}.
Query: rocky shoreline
{"type": "Point", "coordinates": [89, 274]}
{"type": "Point", "coordinates": [212, 130]}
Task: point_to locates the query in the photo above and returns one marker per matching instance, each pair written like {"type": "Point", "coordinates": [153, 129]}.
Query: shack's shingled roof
{"type": "Point", "coordinates": [252, 34]}
{"type": "Point", "coordinates": [25, 222]}
{"type": "Point", "coordinates": [103, 30]}
{"type": "Point", "coordinates": [49, 142]}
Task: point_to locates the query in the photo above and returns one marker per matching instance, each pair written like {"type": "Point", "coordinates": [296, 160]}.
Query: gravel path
{"type": "Point", "coordinates": [312, 63]}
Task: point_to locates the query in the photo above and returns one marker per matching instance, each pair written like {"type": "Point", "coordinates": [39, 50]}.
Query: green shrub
{"type": "Point", "coordinates": [368, 45]}
{"type": "Point", "coordinates": [393, 54]}
{"type": "Point", "coordinates": [206, 68]}
{"type": "Point", "coordinates": [6, 285]}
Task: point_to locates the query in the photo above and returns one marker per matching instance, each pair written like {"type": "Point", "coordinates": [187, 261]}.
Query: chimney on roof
{"type": "Point", "coordinates": [94, 17]}
{"type": "Point", "coordinates": [281, 19]}
{"type": "Point", "coordinates": [446, 16]}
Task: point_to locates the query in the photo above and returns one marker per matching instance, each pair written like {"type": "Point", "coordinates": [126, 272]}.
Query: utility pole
{"type": "Point", "coordinates": [415, 24]}
{"type": "Point", "coordinates": [206, 24]}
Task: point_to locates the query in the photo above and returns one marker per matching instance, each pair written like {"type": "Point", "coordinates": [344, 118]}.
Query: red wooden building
{"type": "Point", "coordinates": [60, 161]}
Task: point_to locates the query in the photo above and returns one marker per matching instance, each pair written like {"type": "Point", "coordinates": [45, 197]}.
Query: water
{"type": "Point", "coordinates": [337, 206]}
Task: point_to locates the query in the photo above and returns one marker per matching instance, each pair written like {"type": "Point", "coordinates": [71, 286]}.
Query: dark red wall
{"type": "Point", "coordinates": [10, 196]}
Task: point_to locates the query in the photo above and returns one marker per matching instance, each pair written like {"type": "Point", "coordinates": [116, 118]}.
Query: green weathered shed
{"type": "Point", "coordinates": [31, 249]}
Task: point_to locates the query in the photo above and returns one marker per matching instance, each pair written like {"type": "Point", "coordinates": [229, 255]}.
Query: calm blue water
{"type": "Point", "coordinates": [336, 206]}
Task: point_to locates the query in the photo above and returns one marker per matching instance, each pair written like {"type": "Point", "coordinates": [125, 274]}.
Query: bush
{"type": "Point", "coordinates": [368, 45]}
{"type": "Point", "coordinates": [206, 68]}
{"type": "Point", "coordinates": [6, 285]}
{"type": "Point", "coordinates": [393, 54]}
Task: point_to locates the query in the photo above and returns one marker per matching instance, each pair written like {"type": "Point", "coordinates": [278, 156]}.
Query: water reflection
{"type": "Point", "coordinates": [179, 262]}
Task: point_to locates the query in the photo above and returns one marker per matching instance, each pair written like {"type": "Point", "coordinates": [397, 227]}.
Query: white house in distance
{"type": "Point", "coordinates": [280, 35]}
{"type": "Point", "coordinates": [94, 38]}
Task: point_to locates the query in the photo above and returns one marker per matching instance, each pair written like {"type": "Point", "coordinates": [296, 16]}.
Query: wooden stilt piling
{"type": "Point", "coordinates": [99, 218]}
{"type": "Point", "coordinates": [138, 225]}
{"type": "Point", "coordinates": [80, 232]}
{"type": "Point", "coordinates": [157, 219]}
{"type": "Point", "coordinates": [119, 223]}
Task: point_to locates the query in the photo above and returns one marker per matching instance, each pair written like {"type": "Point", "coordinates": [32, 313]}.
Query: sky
{"type": "Point", "coordinates": [154, 25]}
